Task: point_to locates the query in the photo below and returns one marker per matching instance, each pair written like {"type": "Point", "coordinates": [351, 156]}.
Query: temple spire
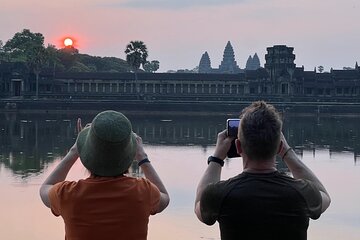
{"type": "Point", "coordinates": [256, 61]}
{"type": "Point", "coordinates": [253, 63]}
{"type": "Point", "coordinates": [249, 63]}
{"type": "Point", "coordinates": [205, 63]}
{"type": "Point", "coordinates": [228, 64]}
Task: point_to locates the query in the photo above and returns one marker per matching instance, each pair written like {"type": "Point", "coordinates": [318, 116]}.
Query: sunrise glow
{"type": "Point", "coordinates": [68, 42]}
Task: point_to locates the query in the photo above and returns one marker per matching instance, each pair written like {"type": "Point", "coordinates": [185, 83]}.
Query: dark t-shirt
{"type": "Point", "coordinates": [261, 206]}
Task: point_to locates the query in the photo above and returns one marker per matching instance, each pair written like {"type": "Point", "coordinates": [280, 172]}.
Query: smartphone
{"type": "Point", "coordinates": [232, 126]}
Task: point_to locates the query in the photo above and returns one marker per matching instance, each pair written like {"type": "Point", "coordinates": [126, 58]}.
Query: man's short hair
{"type": "Point", "coordinates": [260, 131]}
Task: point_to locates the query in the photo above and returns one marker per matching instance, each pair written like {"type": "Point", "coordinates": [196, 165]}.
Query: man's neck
{"type": "Point", "coordinates": [254, 170]}
{"type": "Point", "coordinates": [265, 166]}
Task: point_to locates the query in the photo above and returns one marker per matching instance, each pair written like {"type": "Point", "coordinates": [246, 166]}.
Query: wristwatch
{"type": "Point", "coordinates": [215, 159]}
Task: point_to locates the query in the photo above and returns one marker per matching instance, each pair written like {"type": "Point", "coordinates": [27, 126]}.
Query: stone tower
{"type": "Point", "coordinates": [228, 64]}
{"type": "Point", "coordinates": [249, 63]}
{"type": "Point", "coordinates": [281, 67]}
{"type": "Point", "coordinates": [256, 61]}
{"type": "Point", "coordinates": [280, 61]}
{"type": "Point", "coordinates": [205, 64]}
{"type": "Point", "coordinates": [253, 63]}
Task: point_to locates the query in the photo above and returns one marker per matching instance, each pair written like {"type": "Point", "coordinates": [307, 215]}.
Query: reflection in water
{"type": "Point", "coordinates": [338, 134]}
{"type": "Point", "coordinates": [30, 142]}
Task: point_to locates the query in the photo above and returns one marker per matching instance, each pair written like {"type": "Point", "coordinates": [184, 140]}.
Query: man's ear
{"type": "Point", "coordinates": [238, 146]}
{"type": "Point", "coordinates": [280, 146]}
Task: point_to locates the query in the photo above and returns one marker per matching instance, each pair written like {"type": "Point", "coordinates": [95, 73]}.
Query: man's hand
{"type": "Point", "coordinates": [284, 146]}
{"type": "Point", "coordinates": [223, 144]}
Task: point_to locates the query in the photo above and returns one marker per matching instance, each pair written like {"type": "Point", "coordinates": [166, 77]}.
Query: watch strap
{"type": "Point", "coordinates": [215, 159]}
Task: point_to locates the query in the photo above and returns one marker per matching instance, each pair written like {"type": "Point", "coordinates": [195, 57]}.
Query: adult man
{"type": "Point", "coordinates": [260, 203]}
{"type": "Point", "coordinates": [109, 204]}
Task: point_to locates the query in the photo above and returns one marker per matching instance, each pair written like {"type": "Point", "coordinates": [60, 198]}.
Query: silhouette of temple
{"type": "Point", "coordinates": [279, 80]}
{"type": "Point", "coordinates": [228, 64]}
{"type": "Point", "coordinates": [205, 64]}
{"type": "Point", "coordinates": [253, 63]}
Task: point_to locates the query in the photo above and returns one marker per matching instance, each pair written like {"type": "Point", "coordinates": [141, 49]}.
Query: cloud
{"type": "Point", "coordinates": [171, 4]}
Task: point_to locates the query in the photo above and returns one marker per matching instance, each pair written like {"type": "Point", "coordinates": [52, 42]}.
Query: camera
{"type": "Point", "coordinates": [232, 126]}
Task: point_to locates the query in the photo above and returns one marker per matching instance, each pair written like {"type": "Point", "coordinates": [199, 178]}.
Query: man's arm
{"type": "Point", "coordinates": [151, 174]}
{"type": "Point", "coordinates": [213, 171]}
{"type": "Point", "coordinates": [301, 171]}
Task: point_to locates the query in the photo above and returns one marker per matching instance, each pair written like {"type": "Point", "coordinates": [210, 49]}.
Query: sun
{"type": "Point", "coordinates": [68, 42]}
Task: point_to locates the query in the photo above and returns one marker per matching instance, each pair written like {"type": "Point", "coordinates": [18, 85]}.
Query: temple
{"type": "Point", "coordinates": [205, 64]}
{"type": "Point", "coordinates": [253, 63]}
{"type": "Point", "coordinates": [228, 64]}
{"type": "Point", "coordinates": [279, 80]}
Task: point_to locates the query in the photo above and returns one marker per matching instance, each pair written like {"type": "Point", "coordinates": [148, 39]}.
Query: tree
{"type": "Point", "coordinates": [152, 66]}
{"type": "Point", "coordinates": [36, 61]}
{"type": "Point", "coordinates": [155, 65]}
{"type": "Point", "coordinates": [147, 67]}
{"type": "Point", "coordinates": [136, 54]}
{"type": "Point", "coordinates": [2, 52]}
{"type": "Point", "coordinates": [22, 44]}
{"type": "Point", "coordinates": [320, 69]}
{"type": "Point", "coordinates": [52, 57]}
{"type": "Point", "coordinates": [68, 56]}
{"type": "Point", "coordinates": [29, 48]}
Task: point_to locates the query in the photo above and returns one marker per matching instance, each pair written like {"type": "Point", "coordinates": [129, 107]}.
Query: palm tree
{"type": "Point", "coordinates": [36, 62]}
{"type": "Point", "coordinates": [136, 54]}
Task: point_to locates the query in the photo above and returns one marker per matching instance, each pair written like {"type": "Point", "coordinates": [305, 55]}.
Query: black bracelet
{"type": "Point", "coordinates": [215, 159]}
{"type": "Point", "coordinates": [145, 160]}
{"type": "Point", "coordinates": [286, 152]}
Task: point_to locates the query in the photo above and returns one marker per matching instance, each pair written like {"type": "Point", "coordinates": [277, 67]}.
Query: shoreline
{"type": "Point", "coordinates": [199, 108]}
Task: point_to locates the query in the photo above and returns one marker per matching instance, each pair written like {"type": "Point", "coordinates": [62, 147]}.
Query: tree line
{"type": "Point", "coordinates": [28, 47]}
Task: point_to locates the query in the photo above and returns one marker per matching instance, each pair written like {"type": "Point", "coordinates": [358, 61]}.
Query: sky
{"type": "Point", "coordinates": [178, 32]}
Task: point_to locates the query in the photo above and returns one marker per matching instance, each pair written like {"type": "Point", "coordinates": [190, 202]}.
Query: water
{"type": "Point", "coordinates": [32, 145]}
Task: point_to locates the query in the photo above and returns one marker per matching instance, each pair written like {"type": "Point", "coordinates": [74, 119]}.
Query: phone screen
{"type": "Point", "coordinates": [232, 131]}
{"type": "Point", "coordinates": [232, 127]}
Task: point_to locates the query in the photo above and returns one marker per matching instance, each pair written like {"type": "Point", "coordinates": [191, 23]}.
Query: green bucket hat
{"type": "Point", "coordinates": [107, 148]}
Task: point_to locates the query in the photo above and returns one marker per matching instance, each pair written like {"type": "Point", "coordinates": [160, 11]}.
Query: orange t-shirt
{"type": "Point", "coordinates": [105, 207]}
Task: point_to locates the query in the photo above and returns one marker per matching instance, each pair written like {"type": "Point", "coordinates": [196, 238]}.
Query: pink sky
{"type": "Point", "coordinates": [178, 32]}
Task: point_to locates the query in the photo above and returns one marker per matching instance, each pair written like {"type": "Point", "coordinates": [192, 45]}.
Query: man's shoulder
{"type": "Point", "coordinates": [218, 189]}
